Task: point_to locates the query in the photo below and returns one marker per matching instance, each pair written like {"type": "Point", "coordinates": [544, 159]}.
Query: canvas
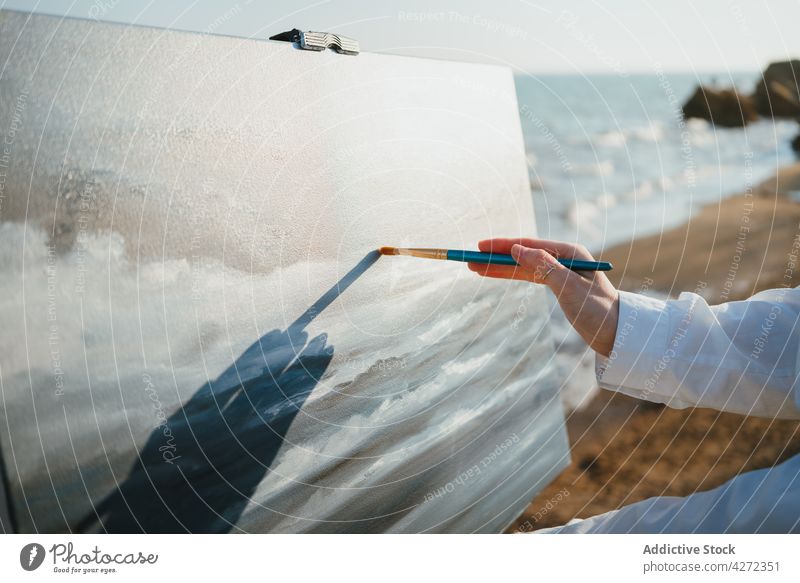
{"type": "Point", "coordinates": [198, 334]}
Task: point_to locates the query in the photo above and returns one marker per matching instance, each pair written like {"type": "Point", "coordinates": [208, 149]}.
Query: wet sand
{"type": "Point", "coordinates": [625, 450]}
{"type": "Point", "coordinates": [728, 251]}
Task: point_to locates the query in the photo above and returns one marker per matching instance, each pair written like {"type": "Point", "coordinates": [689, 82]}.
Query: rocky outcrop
{"type": "Point", "coordinates": [778, 91]}
{"type": "Point", "coordinates": [723, 107]}
{"type": "Point", "coordinates": [777, 95]}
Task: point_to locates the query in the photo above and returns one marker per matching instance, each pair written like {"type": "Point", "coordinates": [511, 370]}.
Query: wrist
{"type": "Point", "coordinates": [609, 327]}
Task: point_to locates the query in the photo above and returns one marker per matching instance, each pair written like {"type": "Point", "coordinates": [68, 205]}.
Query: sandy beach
{"type": "Point", "coordinates": [727, 251]}
{"type": "Point", "coordinates": [625, 450]}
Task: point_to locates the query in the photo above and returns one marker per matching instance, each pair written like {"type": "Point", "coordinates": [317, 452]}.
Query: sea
{"type": "Point", "coordinates": [610, 158]}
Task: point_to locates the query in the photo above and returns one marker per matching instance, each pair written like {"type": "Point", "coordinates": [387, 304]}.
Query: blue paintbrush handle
{"type": "Point", "coordinates": [583, 265]}
{"type": "Point", "coordinates": [503, 259]}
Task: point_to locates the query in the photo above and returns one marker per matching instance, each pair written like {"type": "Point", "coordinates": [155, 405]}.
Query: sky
{"type": "Point", "coordinates": [541, 36]}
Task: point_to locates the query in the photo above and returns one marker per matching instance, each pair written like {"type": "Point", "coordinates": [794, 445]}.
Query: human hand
{"type": "Point", "coordinates": [588, 299]}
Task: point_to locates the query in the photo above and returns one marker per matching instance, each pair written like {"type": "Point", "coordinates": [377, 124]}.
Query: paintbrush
{"type": "Point", "coordinates": [489, 258]}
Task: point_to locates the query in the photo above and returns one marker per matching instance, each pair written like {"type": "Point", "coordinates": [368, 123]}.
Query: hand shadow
{"type": "Point", "coordinates": [199, 469]}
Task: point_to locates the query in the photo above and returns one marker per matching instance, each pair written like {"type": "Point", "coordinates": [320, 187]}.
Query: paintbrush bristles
{"type": "Point", "coordinates": [426, 253]}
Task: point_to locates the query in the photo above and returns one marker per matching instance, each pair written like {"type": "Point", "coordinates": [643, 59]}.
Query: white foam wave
{"type": "Point", "coordinates": [601, 168]}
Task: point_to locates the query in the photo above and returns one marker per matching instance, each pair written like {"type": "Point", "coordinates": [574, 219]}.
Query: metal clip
{"type": "Point", "coordinates": [319, 41]}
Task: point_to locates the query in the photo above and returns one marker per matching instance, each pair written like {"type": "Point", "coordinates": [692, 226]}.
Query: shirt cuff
{"type": "Point", "coordinates": [642, 331]}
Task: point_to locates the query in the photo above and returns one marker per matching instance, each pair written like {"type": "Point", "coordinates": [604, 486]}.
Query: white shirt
{"type": "Point", "coordinates": [740, 357]}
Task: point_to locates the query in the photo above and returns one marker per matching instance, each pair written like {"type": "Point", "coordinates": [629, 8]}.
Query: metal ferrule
{"type": "Point", "coordinates": [427, 253]}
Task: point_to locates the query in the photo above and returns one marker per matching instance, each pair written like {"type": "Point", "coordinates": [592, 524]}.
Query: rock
{"type": "Point", "coordinates": [796, 143]}
{"type": "Point", "coordinates": [777, 101]}
{"type": "Point", "coordinates": [778, 92]}
{"type": "Point", "coordinates": [722, 107]}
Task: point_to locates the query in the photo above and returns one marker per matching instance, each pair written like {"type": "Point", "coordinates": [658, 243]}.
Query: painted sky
{"type": "Point", "coordinates": [576, 36]}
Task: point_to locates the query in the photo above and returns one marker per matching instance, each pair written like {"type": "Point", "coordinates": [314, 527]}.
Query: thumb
{"type": "Point", "coordinates": [542, 267]}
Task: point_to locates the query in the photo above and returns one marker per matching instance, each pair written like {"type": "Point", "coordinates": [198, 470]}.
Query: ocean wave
{"type": "Point", "coordinates": [614, 139]}
{"type": "Point", "coordinates": [585, 210]}
{"type": "Point", "coordinates": [643, 190]}
{"type": "Point", "coordinates": [652, 133]}
{"type": "Point", "coordinates": [600, 168]}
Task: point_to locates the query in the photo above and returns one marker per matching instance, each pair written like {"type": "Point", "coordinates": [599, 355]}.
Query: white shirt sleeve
{"type": "Point", "coordinates": [739, 357]}
{"type": "Point", "coordinates": [762, 501]}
